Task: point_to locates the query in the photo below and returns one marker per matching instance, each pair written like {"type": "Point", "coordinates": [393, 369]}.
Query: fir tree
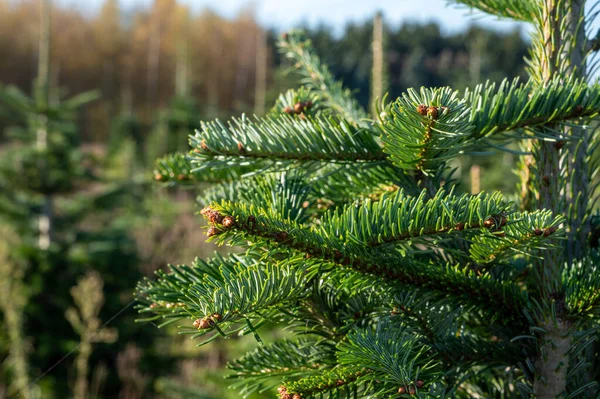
{"type": "Point", "coordinates": [64, 210]}
{"type": "Point", "coordinates": [355, 238]}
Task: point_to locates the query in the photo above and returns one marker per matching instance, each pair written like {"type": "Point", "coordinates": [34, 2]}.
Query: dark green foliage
{"type": "Point", "coordinates": [401, 285]}
{"type": "Point", "coordinates": [49, 176]}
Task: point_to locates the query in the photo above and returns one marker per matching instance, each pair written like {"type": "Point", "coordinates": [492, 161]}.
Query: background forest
{"type": "Point", "coordinates": [75, 239]}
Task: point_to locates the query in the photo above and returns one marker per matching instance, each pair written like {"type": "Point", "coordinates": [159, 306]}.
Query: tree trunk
{"type": "Point", "coordinates": [378, 68]}
{"type": "Point", "coordinates": [562, 56]}
{"type": "Point", "coordinates": [260, 83]}
{"type": "Point", "coordinates": [43, 98]}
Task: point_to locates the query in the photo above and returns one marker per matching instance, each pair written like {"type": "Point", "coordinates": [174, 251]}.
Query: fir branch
{"type": "Point", "coordinates": [222, 292]}
{"type": "Point", "coordinates": [178, 168]}
{"type": "Point", "coordinates": [421, 130]}
{"type": "Point", "coordinates": [285, 195]}
{"type": "Point", "coordinates": [514, 105]}
{"type": "Point", "coordinates": [250, 223]}
{"type": "Point", "coordinates": [319, 79]}
{"type": "Point", "coordinates": [282, 140]}
{"type": "Point", "coordinates": [582, 287]}
{"type": "Point", "coordinates": [399, 217]}
{"type": "Point", "coordinates": [523, 234]}
{"type": "Point", "coordinates": [523, 10]}
{"type": "Point", "coordinates": [333, 382]}
{"type": "Point", "coordinates": [264, 367]}
{"type": "Point", "coordinates": [395, 357]}
{"type": "Point", "coordinates": [300, 104]}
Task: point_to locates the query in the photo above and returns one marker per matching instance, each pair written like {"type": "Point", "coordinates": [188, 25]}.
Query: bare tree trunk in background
{"type": "Point", "coordinates": [182, 61]}
{"type": "Point", "coordinates": [261, 73]}
{"type": "Point", "coordinates": [43, 97]}
{"type": "Point", "coordinates": [378, 67]}
{"type": "Point", "coordinates": [181, 68]}
{"type": "Point", "coordinates": [153, 64]}
{"type": "Point", "coordinates": [475, 173]}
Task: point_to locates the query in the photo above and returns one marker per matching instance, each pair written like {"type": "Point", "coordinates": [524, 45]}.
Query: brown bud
{"type": "Point", "coordinates": [214, 217]}
{"type": "Point", "coordinates": [196, 323]}
{"type": "Point", "coordinates": [282, 389]}
{"type": "Point", "coordinates": [339, 383]}
{"type": "Point", "coordinates": [578, 109]}
{"type": "Point", "coordinates": [559, 144]}
{"type": "Point", "coordinates": [251, 219]}
{"type": "Point", "coordinates": [412, 390]}
{"type": "Point", "coordinates": [459, 226]}
{"type": "Point", "coordinates": [298, 108]}
{"type": "Point", "coordinates": [281, 236]}
{"type": "Point", "coordinates": [153, 306]}
{"type": "Point", "coordinates": [241, 147]}
{"type": "Point", "coordinates": [420, 383]}
{"type": "Point", "coordinates": [228, 221]}
{"type": "Point", "coordinates": [203, 145]}
{"type": "Point", "coordinates": [288, 110]}
{"type": "Point", "coordinates": [296, 396]}
{"type": "Point", "coordinates": [445, 110]}
{"type": "Point", "coordinates": [308, 104]}
{"type": "Point", "coordinates": [205, 210]}
{"type": "Point", "coordinates": [422, 109]}
{"type": "Point", "coordinates": [158, 177]}
{"type": "Point", "coordinates": [537, 232]}
{"type": "Point", "coordinates": [212, 231]}
{"type": "Point", "coordinates": [181, 177]}
{"type": "Point", "coordinates": [205, 323]}
{"type": "Point", "coordinates": [197, 151]}
{"type": "Point", "coordinates": [305, 204]}
{"type": "Point", "coordinates": [217, 317]}
{"type": "Point", "coordinates": [489, 223]}
{"type": "Point", "coordinates": [549, 230]}
{"type": "Point", "coordinates": [394, 312]}
{"type": "Point", "coordinates": [402, 390]}
{"type": "Point", "coordinates": [433, 112]}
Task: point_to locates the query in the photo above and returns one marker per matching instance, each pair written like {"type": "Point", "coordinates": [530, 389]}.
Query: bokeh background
{"type": "Point", "coordinates": [81, 220]}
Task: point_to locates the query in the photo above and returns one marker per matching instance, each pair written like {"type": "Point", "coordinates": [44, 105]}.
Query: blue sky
{"type": "Point", "coordinates": [284, 14]}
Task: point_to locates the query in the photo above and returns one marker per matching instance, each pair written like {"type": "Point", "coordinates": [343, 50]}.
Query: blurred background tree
{"type": "Point", "coordinates": [159, 71]}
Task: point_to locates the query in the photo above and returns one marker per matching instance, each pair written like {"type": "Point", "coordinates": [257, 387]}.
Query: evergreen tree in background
{"type": "Point", "coordinates": [392, 282]}
{"type": "Point", "coordinates": [57, 201]}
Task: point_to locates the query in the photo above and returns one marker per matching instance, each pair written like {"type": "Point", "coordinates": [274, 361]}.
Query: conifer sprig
{"type": "Point", "coordinates": [280, 140]}
{"type": "Point", "coordinates": [421, 130]}
{"type": "Point", "coordinates": [524, 10]}
{"type": "Point", "coordinates": [178, 168]}
{"type": "Point", "coordinates": [223, 292]}
{"type": "Point", "coordinates": [395, 357]}
{"type": "Point", "coordinates": [319, 79]}
{"type": "Point", "coordinates": [582, 287]}
{"type": "Point", "coordinates": [266, 366]}
{"type": "Point", "coordinates": [515, 105]}
{"type": "Point", "coordinates": [529, 232]}
{"type": "Point", "coordinates": [399, 217]}
{"type": "Point", "coordinates": [251, 224]}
